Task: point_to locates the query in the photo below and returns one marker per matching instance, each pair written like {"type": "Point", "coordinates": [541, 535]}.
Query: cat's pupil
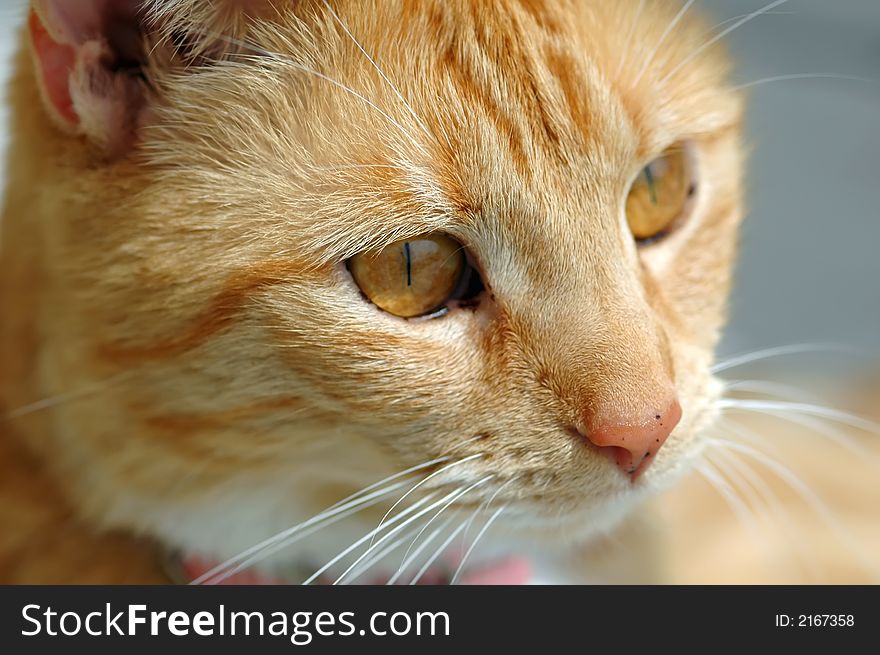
{"type": "Point", "coordinates": [652, 188]}
{"type": "Point", "coordinates": [408, 254]}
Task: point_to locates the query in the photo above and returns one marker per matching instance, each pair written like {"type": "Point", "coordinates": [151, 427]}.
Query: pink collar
{"type": "Point", "coordinates": [510, 571]}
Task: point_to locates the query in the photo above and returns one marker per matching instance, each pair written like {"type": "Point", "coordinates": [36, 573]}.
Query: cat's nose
{"type": "Point", "coordinates": [631, 441]}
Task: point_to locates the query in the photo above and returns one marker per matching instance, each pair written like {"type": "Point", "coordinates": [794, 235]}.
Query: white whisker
{"type": "Point", "coordinates": [402, 515]}
{"type": "Point", "coordinates": [408, 558]}
{"type": "Point", "coordinates": [427, 479]}
{"type": "Point", "coordinates": [784, 391]}
{"type": "Point", "coordinates": [355, 500]}
{"type": "Point", "coordinates": [310, 71]}
{"type": "Point", "coordinates": [721, 35]}
{"type": "Point", "coordinates": [728, 494]}
{"type": "Point", "coordinates": [727, 21]}
{"type": "Point", "coordinates": [391, 85]}
{"type": "Point", "coordinates": [781, 351]}
{"type": "Point", "coordinates": [479, 536]}
{"type": "Point", "coordinates": [806, 76]}
{"type": "Point", "coordinates": [396, 476]}
{"type": "Point", "coordinates": [365, 566]}
{"type": "Point", "coordinates": [427, 565]}
{"type": "Point", "coordinates": [751, 436]}
{"type": "Point", "coordinates": [758, 495]}
{"type": "Point", "coordinates": [806, 494]}
{"type": "Point", "coordinates": [405, 561]}
{"type": "Point", "coordinates": [663, 37]}
{"type": "Point", "coordinates": [486, 505]}
{"type": "Point", "coordinates": [455, 496]}
{"type": "Point", "coordinates": [784, 408]}
{"type": "Point", "coordinates": [831, 433]}
{"type": "Point", "coordinates": [291, 535]}
{"type": "Point", "coordinates": [426, 526]}
{"type": "Point", "coordinates": [70, 396]}
{"type": "Point", "coordinates": [799, 396]}
{"type": "Point", "coordinates": [629, 38]}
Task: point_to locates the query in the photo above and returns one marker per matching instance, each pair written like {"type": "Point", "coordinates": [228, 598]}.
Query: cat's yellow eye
{"type": "Point", "coordinates": [412, 277]}
{"type": "Point", "coordinates": [658, 196]}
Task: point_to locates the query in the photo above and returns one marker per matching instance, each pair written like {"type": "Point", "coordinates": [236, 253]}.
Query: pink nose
{"type": "Point", "coordinates": [632, 443]}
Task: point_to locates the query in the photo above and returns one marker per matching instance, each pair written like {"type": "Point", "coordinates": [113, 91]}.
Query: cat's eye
{"type": "Point", "coordinates": [659, 195]}
{"type": "Point", "coordinates": [414, 277]}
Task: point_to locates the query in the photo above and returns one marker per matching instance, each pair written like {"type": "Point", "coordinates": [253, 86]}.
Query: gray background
{"type": "Point", "coordinates": [810, 265]}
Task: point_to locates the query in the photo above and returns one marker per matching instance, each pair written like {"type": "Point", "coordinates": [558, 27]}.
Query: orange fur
{"type": "Point", "coordinates": [186, 298]}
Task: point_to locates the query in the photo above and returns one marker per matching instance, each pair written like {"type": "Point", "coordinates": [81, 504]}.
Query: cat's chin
{"type": "Point", "coordinates": [579, 525]}
{"type": "Point", "coordinates": [591, 518]}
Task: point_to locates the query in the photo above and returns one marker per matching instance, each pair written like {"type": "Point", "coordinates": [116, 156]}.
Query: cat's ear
{"type": "Point", "coordinates": [92, 56]}
{"type": "Point", "coordinates": [87, 55]}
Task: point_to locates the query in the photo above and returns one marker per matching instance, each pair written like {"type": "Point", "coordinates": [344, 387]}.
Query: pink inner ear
{"type": "Point", "coordinates": [74, 22]}
{"type": "Point", "coordinates": [55, 63]}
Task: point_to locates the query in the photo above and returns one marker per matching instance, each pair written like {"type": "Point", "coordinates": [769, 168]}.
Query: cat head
{"type": "Point", "coordinates": [293, 247]}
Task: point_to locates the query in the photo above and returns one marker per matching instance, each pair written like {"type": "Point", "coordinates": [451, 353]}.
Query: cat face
{"type": "Point", "coordinates": [217, 261]}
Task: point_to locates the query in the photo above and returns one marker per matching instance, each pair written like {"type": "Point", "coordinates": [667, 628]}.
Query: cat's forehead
{"type": "Point", "coordinates": [384, 120]}
{"type": "Point", "coordinates": [552, 76]}
{"type": "Point", "coordinates": [506, 99]}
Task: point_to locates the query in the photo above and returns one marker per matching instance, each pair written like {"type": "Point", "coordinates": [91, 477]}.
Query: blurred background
{"type": "Point", "coordinates": [809, 272]}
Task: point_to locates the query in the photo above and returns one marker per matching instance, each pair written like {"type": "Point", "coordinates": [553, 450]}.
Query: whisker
{"type": "Point", "coordinates": [291, 535]}
{"type": "Point", "coordinates": [727, 21]}
{"type": "Point", "coordinates": [408, 559]}
{"type": "Point", "coordinates": [396, 476]}
{"type": "Point", "coordinates": [749, 496]}
{"type": "Point", "coordinates": [629, 38]}
{"type": "Point", "coordinates": [310, 71]}
{"type": "Point", "coordinates": [402, 515]}
{"type": "Point", "coordinates": [426, 526]}
{"type": "Point", "coordinates": [822, 429]}
{"type": "Point", "coordinates": [486, 505]}
{"type": "Point", "coordinates": [720, 36]}
{"type": "Point", "coordinates": [764, 502]}
{"type": "Point", "coordinates": [391, 85]}
{"type": "Point", "coordinates": [348, 501]}
{"type": "Point", "coordinates": [807, 495]}
{"type": "Point", "coordinates": [60, 399]}
{"type": "Point", "coordinates": [831, 433]}
{"type": "Point", "coordinates": [427, 479]}
{"type": "Point", "coordinates": [771, 502]}
{"type": "Point", "coordinates": [372, 546]}
{"type": "Point", "coordinates": [479, 536]}
{"type": "Point", "coordinates": [806, 76]}
{"type": "Point", "coordinates": [745, 434]}
{"type": "Point", "coordinates": [734, 502]}
{"type": "Point", "coordinates": [365, 566]}
{"type": "Point", "coordinates": [437, 553]}
{"type": "Point", "coordinates": [663, 37]}
{"type": "Point", "coordinates": [784, 391]}
{"type": "Point", "coordinates": [781, 351]}
{"type": "Point", "coordinates": [346, 167]}
{"type": "Point", "coordinates": [405, 561]}
{"type": "Point", "coordinates": [785, 408]}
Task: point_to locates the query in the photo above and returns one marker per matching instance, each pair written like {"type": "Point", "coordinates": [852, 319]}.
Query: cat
{"type": "Point", "coordinates": [453, 269]}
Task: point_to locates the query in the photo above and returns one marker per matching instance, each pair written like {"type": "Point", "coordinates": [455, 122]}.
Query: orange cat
{"type": "Point", "coordinates": [257, 256]}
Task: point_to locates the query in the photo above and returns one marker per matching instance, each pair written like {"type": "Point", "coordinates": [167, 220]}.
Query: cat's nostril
{"type": "Point", "coordinates": [633, 444]}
